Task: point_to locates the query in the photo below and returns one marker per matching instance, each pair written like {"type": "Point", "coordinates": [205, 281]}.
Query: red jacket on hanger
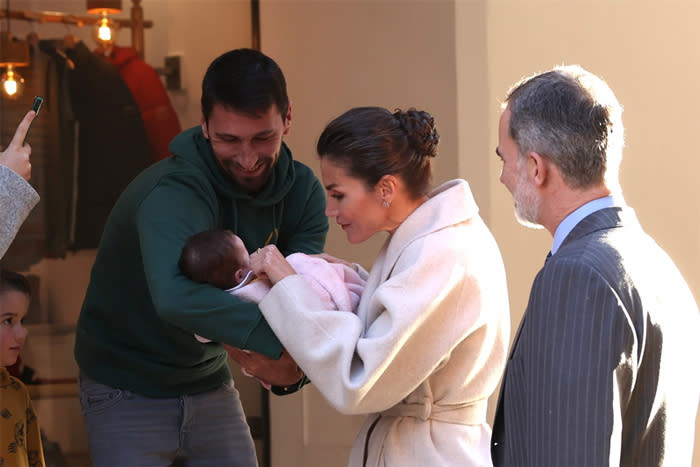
{"type": "Point", "coordinates": [157, 112]}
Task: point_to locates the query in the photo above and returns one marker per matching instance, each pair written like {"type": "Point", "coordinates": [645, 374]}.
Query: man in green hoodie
{"type": "Point", "coordinates": [150, 391]}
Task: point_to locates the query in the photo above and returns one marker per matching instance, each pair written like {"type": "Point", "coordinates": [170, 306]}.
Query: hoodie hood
{"type": "Point", "coordinates": [192, 146]}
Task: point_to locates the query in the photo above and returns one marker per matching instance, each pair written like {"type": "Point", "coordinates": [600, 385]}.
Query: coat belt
{"type": "Point", "coordinates": [469, 413]}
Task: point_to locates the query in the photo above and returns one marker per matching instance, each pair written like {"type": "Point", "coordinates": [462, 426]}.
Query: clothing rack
{"type": "Point", "coordinates": [136, 22]}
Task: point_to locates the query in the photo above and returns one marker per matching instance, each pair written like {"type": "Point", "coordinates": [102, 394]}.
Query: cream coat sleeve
{"type": "Point", "coordinates": [17, 199]}
{"type": "Point", "coordinates": [406, 327]}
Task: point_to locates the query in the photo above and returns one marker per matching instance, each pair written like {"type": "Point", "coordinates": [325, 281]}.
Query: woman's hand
{"type": "Point", "coordinates": [269, 262]}
{"type": "Point", "coordinates": [16, 154]}
{"type": "Point", "coordinates": [282, 372]}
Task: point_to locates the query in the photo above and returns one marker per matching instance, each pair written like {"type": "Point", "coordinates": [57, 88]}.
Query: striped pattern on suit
{"type": "Point", "coordinates": [597, 373]}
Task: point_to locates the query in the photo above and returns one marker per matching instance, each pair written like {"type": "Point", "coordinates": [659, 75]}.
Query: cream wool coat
{"type": "Point", "coordinates": [428, 343]}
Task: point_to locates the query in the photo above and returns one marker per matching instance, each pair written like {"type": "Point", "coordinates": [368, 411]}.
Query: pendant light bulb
{"type": "Point", "coordinates": [105, 31]}
{"type": "Point", "coordinates": [12, 83]}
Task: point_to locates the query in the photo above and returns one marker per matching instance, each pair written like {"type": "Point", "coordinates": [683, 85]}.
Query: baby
{"type": "Point", "coordinates": [220, 258]}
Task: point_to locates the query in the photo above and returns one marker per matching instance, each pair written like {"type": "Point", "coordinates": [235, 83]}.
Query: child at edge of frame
{"type": "Point", "coordinates": [20, 436]}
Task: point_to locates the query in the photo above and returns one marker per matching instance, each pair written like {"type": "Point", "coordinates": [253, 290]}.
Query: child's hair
{"type": "Point", "coordinates": [10, 280]}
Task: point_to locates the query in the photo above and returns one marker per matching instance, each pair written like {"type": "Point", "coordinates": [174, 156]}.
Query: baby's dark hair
{"type": "Point", "coordinates": [10, 280]}
{"type": "Point", "coordinates": [370, 142]}
{"type": "Point", "coordinates": [205, 255]}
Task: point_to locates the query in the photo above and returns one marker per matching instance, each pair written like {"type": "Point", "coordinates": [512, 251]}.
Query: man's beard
{"type": "Point", "coordinates": [527, 204]}
{"type": "Point", "coordinates": [249, 184]}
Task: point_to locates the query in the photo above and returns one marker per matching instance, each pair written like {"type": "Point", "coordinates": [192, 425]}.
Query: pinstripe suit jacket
{"type": "Point", "coordinates": [603, 370]}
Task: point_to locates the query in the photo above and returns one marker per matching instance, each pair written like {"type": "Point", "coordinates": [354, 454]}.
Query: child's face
{"type": "Point", "coordinates": [13, 307]}
{"type": "Point", "coordinates": [240, 254]}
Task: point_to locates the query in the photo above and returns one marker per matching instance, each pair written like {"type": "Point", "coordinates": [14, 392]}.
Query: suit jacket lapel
{"type": "Point", "coordinates": [608, 218]}
{"type": "Point", "coordinates": [604, 219]}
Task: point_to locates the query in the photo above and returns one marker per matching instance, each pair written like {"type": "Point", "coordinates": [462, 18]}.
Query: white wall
{"type": "Point", "coordinates": [199, 31]}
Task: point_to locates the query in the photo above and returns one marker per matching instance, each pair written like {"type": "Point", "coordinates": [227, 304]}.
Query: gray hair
{"type": "Point", "coordinates": [573, 118]}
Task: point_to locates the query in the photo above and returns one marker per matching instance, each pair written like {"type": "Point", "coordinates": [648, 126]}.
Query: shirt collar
{"type": "Point", "coordinates": [570, 221]}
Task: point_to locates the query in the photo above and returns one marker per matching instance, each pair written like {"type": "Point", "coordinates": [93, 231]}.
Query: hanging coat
{"type": "Point", "coordinates": [157, 112]}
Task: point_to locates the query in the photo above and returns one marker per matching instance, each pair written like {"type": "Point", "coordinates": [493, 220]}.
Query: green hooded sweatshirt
{"type": "Point", "coordinates": [140, 313]}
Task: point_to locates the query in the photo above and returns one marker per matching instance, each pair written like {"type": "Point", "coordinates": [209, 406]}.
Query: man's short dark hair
{"type": "Point", "coordinates": [246, 81]}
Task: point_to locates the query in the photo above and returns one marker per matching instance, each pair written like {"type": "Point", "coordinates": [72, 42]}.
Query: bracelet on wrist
{"type": "Point", "coordinates": [291, 388]}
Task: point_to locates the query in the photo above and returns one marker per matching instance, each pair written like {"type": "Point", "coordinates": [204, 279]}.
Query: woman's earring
{"type": "Point", "coordinates": [386, 203]}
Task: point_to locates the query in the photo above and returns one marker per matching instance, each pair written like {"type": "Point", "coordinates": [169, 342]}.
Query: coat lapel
{"type": "Point", "coordinates": [449, 204]}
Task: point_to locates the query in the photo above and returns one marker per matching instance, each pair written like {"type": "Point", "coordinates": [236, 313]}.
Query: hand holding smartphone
{"type": "Point", "coordinates": [16, 155]}
{"type": "Point", "coordinates": [36, 106]}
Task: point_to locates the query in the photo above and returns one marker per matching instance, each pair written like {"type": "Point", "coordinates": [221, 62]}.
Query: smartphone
{"type": "Point", "coordinates": [36, 106]}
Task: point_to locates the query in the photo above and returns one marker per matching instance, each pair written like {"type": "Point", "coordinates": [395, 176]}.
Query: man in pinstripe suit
{"type": "Point", "coordinates": [603, 369]}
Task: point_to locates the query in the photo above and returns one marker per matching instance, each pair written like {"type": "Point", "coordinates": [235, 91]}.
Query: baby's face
{"type": "Point", "coordinates": [239, 253]}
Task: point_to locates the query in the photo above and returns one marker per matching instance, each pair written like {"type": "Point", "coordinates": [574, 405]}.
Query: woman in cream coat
{"type": "Point", "coordinates": [428, 344]}
{"type": "Point", "coordinates": [17, 197]}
